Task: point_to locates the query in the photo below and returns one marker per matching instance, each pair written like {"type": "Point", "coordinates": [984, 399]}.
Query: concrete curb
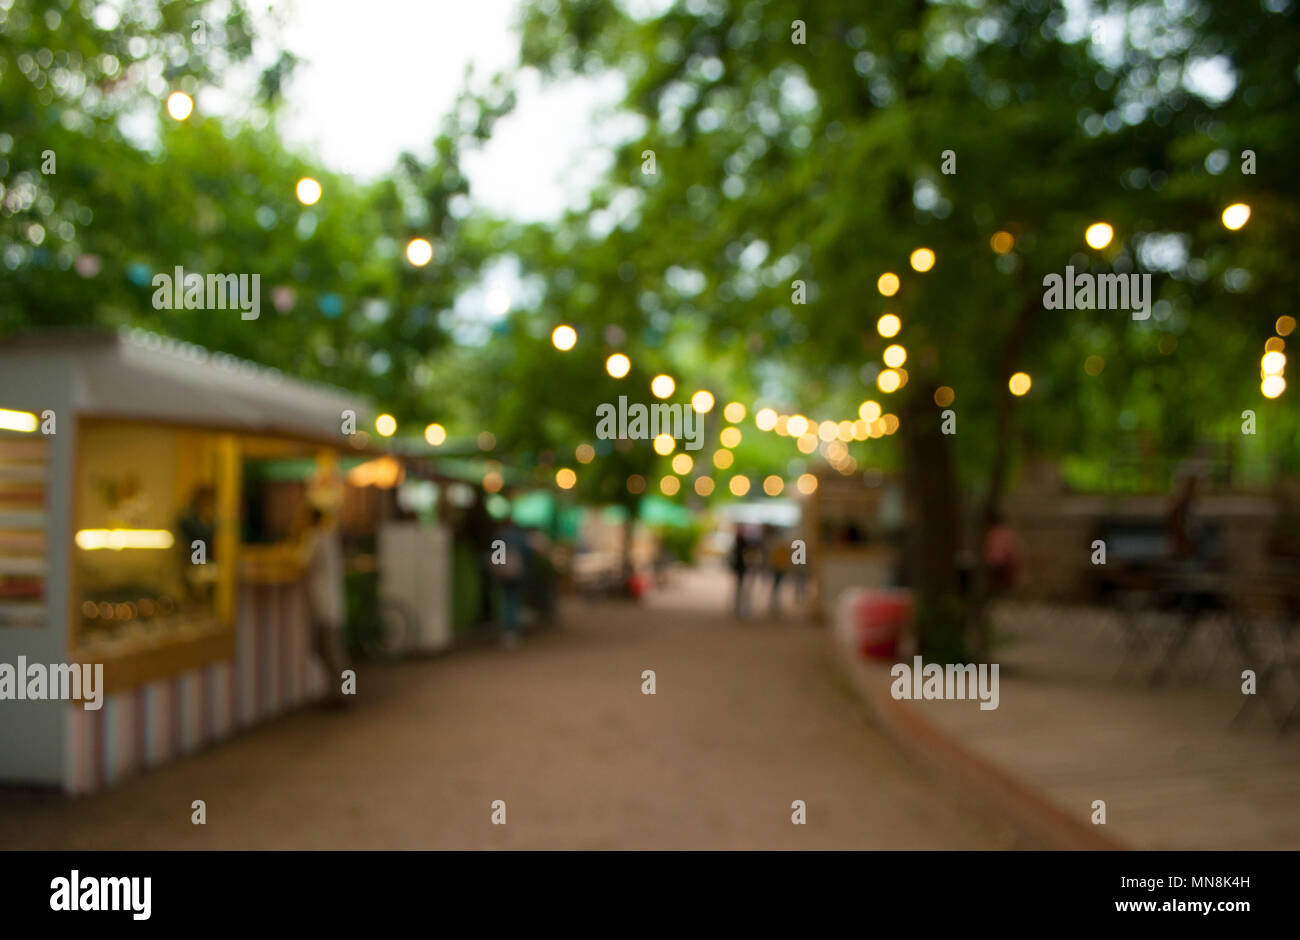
{"type": "Point", "coordinates": [1023, 806]}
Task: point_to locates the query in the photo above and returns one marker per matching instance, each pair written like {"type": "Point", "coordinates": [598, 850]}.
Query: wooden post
{"type": "Point", "coordinates": [229, 484]}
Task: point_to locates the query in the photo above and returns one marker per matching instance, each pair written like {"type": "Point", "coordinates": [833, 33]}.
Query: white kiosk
{"type": "Point", "coordinates": [116, 449]}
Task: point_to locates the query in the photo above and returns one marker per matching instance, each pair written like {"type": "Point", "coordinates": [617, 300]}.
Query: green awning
{"type": "Point", "coordinates": [298, 468]}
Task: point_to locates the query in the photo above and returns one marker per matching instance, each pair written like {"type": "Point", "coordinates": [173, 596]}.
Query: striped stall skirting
{"type": "Point", "coordinates": [274, 670]}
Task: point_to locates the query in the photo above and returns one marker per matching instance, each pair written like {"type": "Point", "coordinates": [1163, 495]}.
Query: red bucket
{"type": "Point", "coordinates": [877, 618]}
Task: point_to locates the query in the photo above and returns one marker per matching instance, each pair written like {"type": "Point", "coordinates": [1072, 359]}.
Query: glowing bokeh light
{"type": "Point", "coordinates": [564, 337]}
{"type": "Point", "coordinates": [618, 365]}
{"type": "Point", "coordinates": [1098, 235]}
{"type": "Point", "coordinates": [419, 252]}
{"type": "Point", "coordinates": [1235, 216]}
{"type": "Point", "coordinates": [179, 105]}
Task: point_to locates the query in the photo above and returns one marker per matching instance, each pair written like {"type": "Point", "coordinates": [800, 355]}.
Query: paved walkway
{"type": "Point", "coordinates": [748, 718]}
{"type": "Point", "coordinates": [1079, 721]}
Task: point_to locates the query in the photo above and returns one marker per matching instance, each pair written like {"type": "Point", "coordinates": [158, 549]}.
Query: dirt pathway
{"type": "Point", "coordinates": [747, 718]}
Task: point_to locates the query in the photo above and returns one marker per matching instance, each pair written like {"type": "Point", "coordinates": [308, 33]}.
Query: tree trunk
{"type": "Point", "coordinates": [931, 540]}
{"type": "Point", "coordinates": [978, 626]}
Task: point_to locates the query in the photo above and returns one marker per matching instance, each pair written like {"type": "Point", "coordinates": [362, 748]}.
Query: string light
{"type": "Point", "coordinates": [1235, 216]}
{"type": "Point", "coordinates": [1098, 235]}
{"type": "Point", "coordinates": [179, 105]}
{"type": "Point", "coordinates": [564, 337]}
{"type": "Point", "coordinates": [618, 365]}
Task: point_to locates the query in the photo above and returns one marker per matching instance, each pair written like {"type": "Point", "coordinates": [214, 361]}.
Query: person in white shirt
{"type": "Point", "coordinates": [322, 554]}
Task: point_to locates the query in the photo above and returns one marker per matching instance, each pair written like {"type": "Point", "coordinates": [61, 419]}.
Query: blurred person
{"type": "Point", "coordinates": [197, 523]}
{"type": "Point", "coordinates": [476, 529]}
{"type": "Point", "coordinates": [1001, 553]}
{"type": "Point", "coordinates": [1178, 521]}
{"type": "Point", "coordinates": [512, 574]}
{"type": "Point", "coordinates": [779, 564]}
{"type": "Point", "coordinates": [741, 554]}
{"type": "Point", "coordinates": [664, 559]}
{"type": "Point", "coordinates": [322, 556]}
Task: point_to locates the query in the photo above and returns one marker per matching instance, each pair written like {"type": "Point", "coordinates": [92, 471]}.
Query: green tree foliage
{"type": "Point", "coordinates": [80, 246]}
{"type": "Point", "coordinates": [823, 161]}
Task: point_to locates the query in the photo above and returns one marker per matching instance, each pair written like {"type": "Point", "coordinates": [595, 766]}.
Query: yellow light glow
{"type": "Point", "coordinates": [922, 260]}
{"type": "Point", "coordinates": [723, 458]}
{"type": "Point", "coordinates": [662, 386]}
{"type": "Point", "coordinates": [664, 445]}
{"type": "Point", "coordinates": [891, 423]}
{"type": "Point", "coordinates": [386, 425]}
{"type": "Point", "coordinates": [702, 401]}
{"type": "Point", "coordinates": [730, 437]}
{"type": "Point", "coordinates": [889, 325]}
{"type": "Point", "coordinates": [844, 431]}
{"type": "Point", "coordinates": [734, 412]}
{"type": "Point", "coordinates": [1002, 242]}
{"type": "Point", "coordinates": [1272, 386]}
{"type": "Point", "coordinates": [868, 410]}
{"type": "Point", "coordinates": [895, 356]}
{"type": "Point", "coordinates": [806, 484]}
{"type": "Point", "coordinates": [669, 486]}
{"type": "Point", "coordinates": [765, 419]}
{"type": "Point", "coordinates": [773, 485]}
{"type": "Point", "coordinates": [383, 472]}
{"type": "Point", "coordinates": [783, 425]}
{"type": "Point", "coordinates": [807, 443]}
{"type": "Point", "coordinates": [888, 381]}
{"type": "Point", "coordinates": [703, 486]}
{"type": "Point", "coordinates": [486, 440]}
{"type": "Point", "coordinates": [682, 464]}
{"type": "Point", "coordinates": [118, 539]}
{"type": "Point", "coordinates": [1093, 365]}
{"type": "Point", "coordinates": [943, 396]}
{"type": "Point", "coordinates": [797, 426]}
{"type": "Point", "coordinates": [564, 337]}
{"type": "Point", "coordinates": [887, 283]}
{"type": "Point", "coordinates": [618, 365]}
{"type": "Point", "coordinates": [23, 421]}
{"type": "Point", "coordinates": [1284, 326]}
{"type": "Point", "coordinates": [1236, 215]}
{"type": "Point", "coordinates": [827, 430]}
{"type": "Point", "coordinates": [308, 191]}
{"type": "Point", "coordinates": [435, 434]}
{"type": "Point", "coordinates": [179, 105]}
{"type": "Point", "coordinates": [739, 485]}
{"type": "Point", "coordinates": [1274, 344]}
{"type": "Point", "coordinates": [565, 478]}
{"type": "Point", "coordinates": [1098, 235]}
{"type": "Point", "coordinates": [493, 481]}
{"type": "Point", "coordinates": [585, 453]}
{"type": "Point", "coordinates": [1273, 363]}
{"type": "Point", "coordinates": [419, 252]}
{"type": "Point", "coordinates": [1019, 383]}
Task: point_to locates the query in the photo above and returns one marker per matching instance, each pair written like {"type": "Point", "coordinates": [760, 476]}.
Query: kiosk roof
{"type": "Point", "coordinates": [136, 375]}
